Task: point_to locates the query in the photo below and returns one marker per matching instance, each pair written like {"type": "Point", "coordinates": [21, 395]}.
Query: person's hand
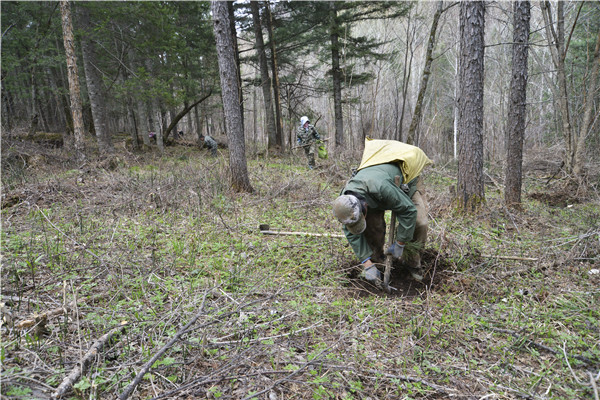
{"type": "Point", "coordinates": [396, 250]}
{"type": "Point", "coordinates": [298, 140]}
{"type": "Point", "coordinates": [372, 274]}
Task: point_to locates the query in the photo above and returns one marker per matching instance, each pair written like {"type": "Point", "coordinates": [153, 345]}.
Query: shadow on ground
{"type": "Point", "coordinates": [437, 273]}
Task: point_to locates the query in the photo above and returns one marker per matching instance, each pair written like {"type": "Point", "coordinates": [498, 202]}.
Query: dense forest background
{"type": "Point", "coordinates": [141, 266]}
{"type": "Point", "coordinates": [148, 61]}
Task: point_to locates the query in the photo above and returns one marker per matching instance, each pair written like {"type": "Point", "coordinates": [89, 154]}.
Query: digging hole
{"type": "Point", "coordinates": [436, 273]}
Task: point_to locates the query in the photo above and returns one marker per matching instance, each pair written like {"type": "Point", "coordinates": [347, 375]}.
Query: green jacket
{"type": "Point", "coordinates": [376, 185]}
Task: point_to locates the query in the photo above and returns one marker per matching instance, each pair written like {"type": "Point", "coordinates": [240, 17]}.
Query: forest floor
{"type": "Point", "coordinates": [149, 266]}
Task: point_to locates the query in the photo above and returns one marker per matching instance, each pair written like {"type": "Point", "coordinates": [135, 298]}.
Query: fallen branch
{"type": "Point", "coordinates": [146, 367]}
{"type": "Point", "coordinates": [43, 317]}
{"type": "Point", "coordinates": [539, 346]}
{"type": "Point", "coordinates": [86, 361]}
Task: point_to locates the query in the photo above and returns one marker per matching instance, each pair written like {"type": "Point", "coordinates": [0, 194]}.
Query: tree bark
{"type": "Point", "coordinates": [230, 94]}
{"type": "Point", "coordinates": [275, 74]}
{"type": "Point", "coordinates": [556, 41]}
{"type": "Point", "coordinates": [588, 122]}
{"type": "Point", "coordinates": [416, 119]}
{"type": "Point", "coordinates": [406, 72]}
{"type": "Point", "coordinates": [236, 56]}
{"type": "Point", "coordinates": [94, 83]}
{"type": "Point", "coordinates": [517, 111]}
{"type": "Point", "coordinates": [264, 75]}
{"type": "Point", "coordinates": [336, 75]}
{"type": "Point", "coordinates": [75, 93]}
{"type": "Point", "coordinates": [470, 187]}
{"type": "Point", "coordinates": [176, 118]}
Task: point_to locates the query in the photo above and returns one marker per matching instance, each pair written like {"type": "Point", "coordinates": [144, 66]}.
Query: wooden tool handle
{"type": "Point", "coordinates": [391, 237]}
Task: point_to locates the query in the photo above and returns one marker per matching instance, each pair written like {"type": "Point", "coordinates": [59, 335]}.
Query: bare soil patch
{"type": "Point", "coordinates": [437, 272]}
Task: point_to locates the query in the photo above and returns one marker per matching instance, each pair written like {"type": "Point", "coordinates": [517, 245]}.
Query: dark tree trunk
{"type": "Point", "coordinates": [470, 187]}
{"type": "Point", "coordinates": [406, 72]}
{"type": "Point", "coordinates": [73, 75]}
{"type": "Point", "coordinates": [231, 99]}
{"type": "Point", "coordinates": [517, 106]}
{"type": "Point", "coordinates": [336, 75]}
{"type": "Point", "coordinates": [176, 118]}
{"type": "Point", "coordinates": [94, 83]}
{"type": "Point", "coordinates": [135, 138]}
{"type": "Point", "coordinates": [236, 56]}
{"type": "Point", "coordinates": [264, 76]}
{"type": "Point", "coordinates": [275, 73]}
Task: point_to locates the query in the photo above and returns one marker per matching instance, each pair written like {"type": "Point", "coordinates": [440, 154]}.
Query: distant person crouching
{"type": "Point", "coordinates": [210, 143]}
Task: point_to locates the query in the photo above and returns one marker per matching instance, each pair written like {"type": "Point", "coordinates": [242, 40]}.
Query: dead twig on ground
{"type": "Point", "coordinates": [529, 342]}
{"type": "Point", "coordinates": [43, 317]}
{"type": "Point", "coordinates": [86, 361]}
{"type": "Point", "coordinates": [146, 367]}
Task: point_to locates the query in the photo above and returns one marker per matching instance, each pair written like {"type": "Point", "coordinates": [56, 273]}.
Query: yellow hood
{"type": "Point", "coordinates": [411, 159]}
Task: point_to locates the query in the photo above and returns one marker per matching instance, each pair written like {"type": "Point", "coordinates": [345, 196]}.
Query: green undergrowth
{"type": "Point", "coordinates": [156, 242]}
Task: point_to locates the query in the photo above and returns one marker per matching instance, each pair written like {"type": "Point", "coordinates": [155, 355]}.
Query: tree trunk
{"type": "Point", "coordinates": [231, 100]}
{"type": "Point", "coordinates": [556, 41]}
{"type": "Point", "coordinates": [176, 118]}
{"type": "Point", "coordinates": [406, 72]}
{"type": "Point", "coordinates": [264, 76]}
{"type": "Point", "coordinates": [236, 56]}
{"type": "Point", "coordinates": [135, 137]}
{"type": "Point", "coordinates": [470, 187]}
{"type": "Point", "coordinates": [336, 75]}
{"type": "Point", "coordinates": [275, 73]}
{"type": "Point", "coordinates": [94, 83]}
{"type": "Point", "coordinates": [416, 119]}
{"type": "Point", "coordinates": [73, 75]}
{"type": "Point", "coordinates": [588, 122]}
{"type": "Point", "coordinates": [517, 111]}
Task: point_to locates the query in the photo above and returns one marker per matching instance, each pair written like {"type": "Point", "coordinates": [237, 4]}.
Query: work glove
{"type": "Point", "coordinates": [372, 274]}
{"type": "Point", "coordinates": [417, 273]}
{"type": "Point", "coordinates": [396, 250]}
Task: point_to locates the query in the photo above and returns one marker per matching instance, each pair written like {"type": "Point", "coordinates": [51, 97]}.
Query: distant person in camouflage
{"type": "Point", "coordinates": [307, 137]}
{"type": "Point", "coordinates": [210, 144]}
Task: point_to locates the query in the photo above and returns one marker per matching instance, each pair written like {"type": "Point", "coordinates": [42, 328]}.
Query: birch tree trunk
{"type": "Point", "coordinates": [230, 94]}
{"type": "Point", "coordinates": [75, 93]}
{"type": "Point", "coordinates": [517, 111]}
{"type": "Point", "coordinates": [470, 187]}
